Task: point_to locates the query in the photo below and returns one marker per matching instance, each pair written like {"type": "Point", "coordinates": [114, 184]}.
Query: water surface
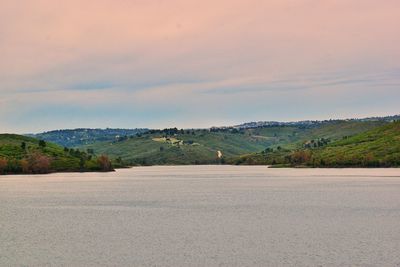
{"type": "Point", "coordinates": [202, 216]}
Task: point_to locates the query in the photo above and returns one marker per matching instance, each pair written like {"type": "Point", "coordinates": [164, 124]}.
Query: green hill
{"type": "Point", "coordinates": [196, 147]}
{"type": "Point", "coordinates": [84, 136]}
{"type": "Point", "coordinates": [376, 148]}
{"type": "Point", "coordinates": [21, 154]}
{"type": "Point", "coordinates": [173, 146]}
{"type": "Point", "coordinates": [379, 147]}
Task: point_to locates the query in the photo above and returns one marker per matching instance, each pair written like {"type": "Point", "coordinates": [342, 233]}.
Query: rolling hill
{"type": "Point", "coordinates": [173, 146]}
{"type": "Point", "coordinates": [84, 136]}
{"type": "Point", "coordinates": [379, 147]}
{"type": "Point", "coordinates": [376, 148]}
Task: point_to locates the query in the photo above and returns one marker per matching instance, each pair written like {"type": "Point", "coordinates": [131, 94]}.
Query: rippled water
{"type": "Point", "coordinates": [202, 216]}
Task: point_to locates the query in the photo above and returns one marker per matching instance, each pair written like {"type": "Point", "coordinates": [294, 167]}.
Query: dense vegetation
{"type": "Point", "coordinates": [83, 136]}
{"type": "Point", "coordinates": [201, 146]}
{"type": "Point", "coordinates": [21, 154]}
{"type": "Point", "coordinates": [379, 147]}
{"type": "Point", "coordinates": [332, 143]}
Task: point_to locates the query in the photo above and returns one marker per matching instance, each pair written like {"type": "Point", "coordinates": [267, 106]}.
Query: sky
{"type": "Point", "coordinates": [190, 64]}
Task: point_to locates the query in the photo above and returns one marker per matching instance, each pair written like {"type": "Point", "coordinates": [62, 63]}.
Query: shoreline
{"type": "Point", "coordinates": [204, 165]}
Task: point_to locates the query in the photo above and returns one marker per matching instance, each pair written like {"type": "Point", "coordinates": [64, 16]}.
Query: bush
{"type": "Point", "coordinates": [104, 163]}
{"type": "Point", "coordinates": [3, 165]}
{"type": "Point", "coordinates": [39, 163]}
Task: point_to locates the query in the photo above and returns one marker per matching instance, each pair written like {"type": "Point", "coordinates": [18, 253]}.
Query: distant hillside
{"type": "Point", "coordinates": [21, 154]}
{"type": "Point", "coordinates": [379, 147]}
{"type": "Point", "coordinates": [84, 136]}
{"type": "Point", "coordinates": [312, 123]}
{"type": "Point", "coordinates": [173, 146]}
{"type": "Point", "coordinates": [376, 148]}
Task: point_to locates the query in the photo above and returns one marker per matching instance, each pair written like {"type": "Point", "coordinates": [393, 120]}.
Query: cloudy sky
{"type": "Point", "coordinates": [165, 63]}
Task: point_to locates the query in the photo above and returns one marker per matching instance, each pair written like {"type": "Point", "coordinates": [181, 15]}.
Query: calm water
{"type": "Point", "coordinates": [202, 216]}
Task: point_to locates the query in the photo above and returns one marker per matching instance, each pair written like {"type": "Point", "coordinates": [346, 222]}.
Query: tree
{"type": "Point", "coordinates": [3, 165]}
{"type": "Point", "coordinates": [24, 166]}
{"type": "Point", "coordinates": [23, 145]}
{"type": "Point", "coordinates": [268, 150]}
{"type": "Point", "coordinates": [301, 156]}
{"type": "Point", "coordinates": [104, 163]}
{"type": "Point", "coordinates": [39, 163]}
{"type": "Point", "coordinates": [82, 163]}
{"type": "Point", "coordinates": [13, 166]}
{"type": "Point", "coordinates": [42, 143]}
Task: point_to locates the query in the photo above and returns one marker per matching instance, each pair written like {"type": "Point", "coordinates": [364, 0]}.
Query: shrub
{"type": "Point", "coordinates": [42, 143]}
{"type": "Point", "coordinates": [3, 165]}
{"type": "Point", "coordinates": [39, 163]}
{"type": "Point", "coordinates": [104, 163]}
{"type": "Point", "coordinates": [24, 166]}
{"type": "Point", "coordinates": [300, 157]}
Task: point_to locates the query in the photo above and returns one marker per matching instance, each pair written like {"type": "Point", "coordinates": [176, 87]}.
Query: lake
{"type": "Point", "coordinates": [202, 216]}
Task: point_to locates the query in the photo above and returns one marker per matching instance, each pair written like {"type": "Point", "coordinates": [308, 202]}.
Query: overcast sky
{"type": "Point", "coordinates": [148, 63]}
